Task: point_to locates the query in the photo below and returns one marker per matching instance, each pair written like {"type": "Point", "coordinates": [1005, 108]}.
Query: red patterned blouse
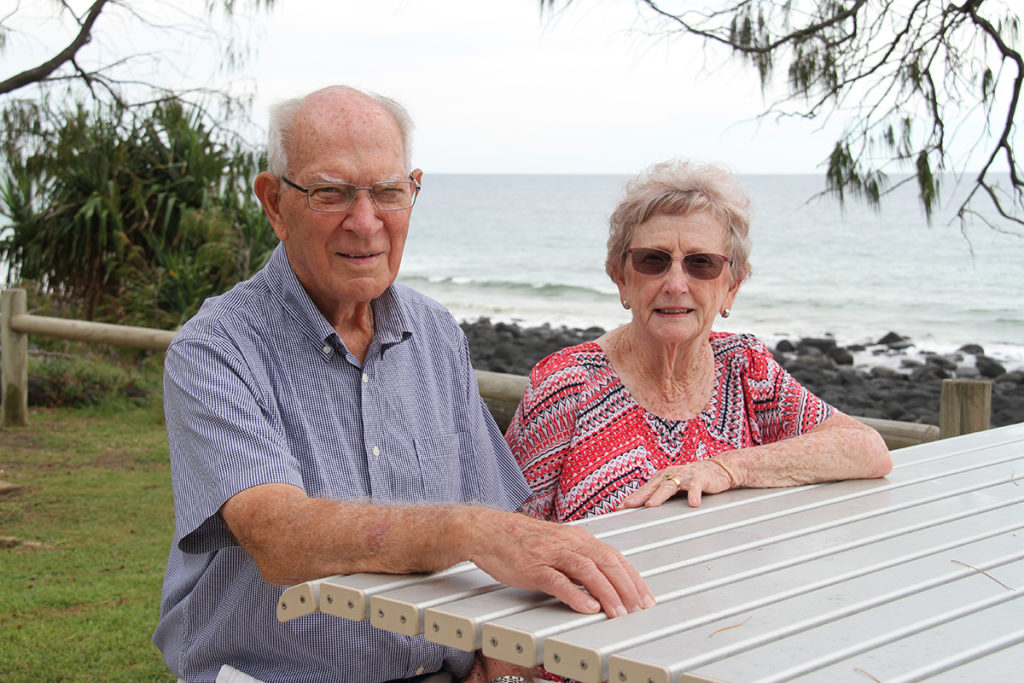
{"type": "Point", "coordinates": [584, 443]}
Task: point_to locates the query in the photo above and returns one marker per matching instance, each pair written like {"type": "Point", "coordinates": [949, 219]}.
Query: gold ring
{"type": "Point", "coordinates": [672, 477]}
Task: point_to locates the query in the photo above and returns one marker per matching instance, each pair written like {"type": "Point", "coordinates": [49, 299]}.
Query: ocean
{"type": "Point", "coordinates": [530, 249]}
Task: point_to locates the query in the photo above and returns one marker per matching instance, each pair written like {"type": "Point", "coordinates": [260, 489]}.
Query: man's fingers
{"type": "Point", "coordinates": [558, 585]}
{"type": "Point", "coordinates": [557, 559]}
{"type": "Point", "coordinates": [613, 580]}
{"type": "Point", "coordinates": [627, 580]}
{"type": "Point", "coordinates": [604, 572]}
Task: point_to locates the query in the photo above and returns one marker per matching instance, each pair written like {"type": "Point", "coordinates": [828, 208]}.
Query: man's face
{"type": "Point", "coordinates": [342, 259]}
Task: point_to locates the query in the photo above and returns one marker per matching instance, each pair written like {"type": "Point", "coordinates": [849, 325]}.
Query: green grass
{"type": "Point", "coordinates": [83, 542]}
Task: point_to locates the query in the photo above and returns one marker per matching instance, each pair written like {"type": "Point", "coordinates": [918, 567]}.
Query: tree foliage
{"type": "Point", "coordinates": [88, 54]}
{"type": "Point", "coordinates": [126, 198]}
{"type": "Point", "coordinates": [909, 76]}
{"type": "Point", "coordinates": [135, 215]}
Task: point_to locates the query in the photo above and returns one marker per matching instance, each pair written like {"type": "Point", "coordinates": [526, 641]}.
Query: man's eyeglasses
{"type": "Point", "coordinates": [698, 266]}
{"type": "Point", "coordinates": [388, 195]}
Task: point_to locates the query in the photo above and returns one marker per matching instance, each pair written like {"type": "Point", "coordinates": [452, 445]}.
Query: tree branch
{"type": "Point", "coordinates": [809, 31]}
{"type": "Point", "coordinates": [66, 55]}
{"type": "Point", "coordinates": [1004, 142]}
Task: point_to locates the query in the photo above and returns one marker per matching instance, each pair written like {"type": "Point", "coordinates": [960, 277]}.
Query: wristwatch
{"type": "Point", "coordinates": [510, 679]}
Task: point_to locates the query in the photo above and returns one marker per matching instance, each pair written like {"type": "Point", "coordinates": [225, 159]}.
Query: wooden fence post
{"type": "Point", "coordinates": [966, 406]}
{"type": "Point", "coordinates": [14, 349]}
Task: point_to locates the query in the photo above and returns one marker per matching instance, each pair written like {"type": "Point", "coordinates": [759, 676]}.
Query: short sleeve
{"type": "Point", "coordinates": [223, 438]}
{"type": "Point", "coordinates": [779, 407]}
{"type": "Point", "coordinates": [541, 432]}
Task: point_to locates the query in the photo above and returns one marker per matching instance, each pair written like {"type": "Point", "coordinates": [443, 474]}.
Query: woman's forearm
{"type": "Point", "coordinates": [838, 448]}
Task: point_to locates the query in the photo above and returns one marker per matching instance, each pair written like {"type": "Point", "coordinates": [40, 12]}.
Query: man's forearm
{"type": "Point", "coordinates": [294, 538]}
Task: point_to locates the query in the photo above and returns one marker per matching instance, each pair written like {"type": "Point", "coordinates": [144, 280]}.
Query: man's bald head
{"type": "Point", "coordinates": [336, 102]}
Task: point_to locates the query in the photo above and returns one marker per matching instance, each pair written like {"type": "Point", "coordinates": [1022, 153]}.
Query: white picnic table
{"type": "Point", "coordinates": [917, 575]}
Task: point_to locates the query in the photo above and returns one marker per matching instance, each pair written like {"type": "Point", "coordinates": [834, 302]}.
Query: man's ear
{"type": "Point", "coordinates": [268, 189]}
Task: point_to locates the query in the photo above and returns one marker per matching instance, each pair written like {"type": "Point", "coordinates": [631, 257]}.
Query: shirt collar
{"type": "Point", "coordinates": [391, 323]}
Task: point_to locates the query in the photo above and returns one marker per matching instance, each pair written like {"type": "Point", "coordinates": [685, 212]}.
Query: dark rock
{"type": "Point", "coordinates": [851, 378]}
{"type": "Point", "coordinates": [926, 373]}
{"type": "Point", "coordinates": [809, 351]}
{"type": "Point", "coordinates": [988, 367]}
{"type": "Point", "coordinates": [940, 361]}
{"type": "Point", "coordinates": [842, 357]}
{"type": "Point", "coordinates": [893, 410]}
{"type": "Point", "coordinates": [911, 393]}
{"type": "Point", "coordinates": [785, 346]}
{"type": "Point", "coordinates": [824, 344]}
{"type": "Point", "coordinates": [891, 338]}
{"type": "Point", "coordinates": [886, 373]}
{"type": "Point", "coordinates": [1008, 389]}
{"type": "Point", "coordinates": [972, 349]}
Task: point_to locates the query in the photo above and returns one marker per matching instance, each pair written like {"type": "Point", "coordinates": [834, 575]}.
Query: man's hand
{"type": "Point", "coordinates": [528, 553]}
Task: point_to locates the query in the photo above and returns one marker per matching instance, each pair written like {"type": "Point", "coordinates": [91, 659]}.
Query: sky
{"type": "Point", "coordinates": [494, 86]}
{"type": "Point", "coordinates": [499, 87]}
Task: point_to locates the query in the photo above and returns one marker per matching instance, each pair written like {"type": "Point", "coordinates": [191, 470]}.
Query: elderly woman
{"type": "Point", "coordinates": [663, 404]}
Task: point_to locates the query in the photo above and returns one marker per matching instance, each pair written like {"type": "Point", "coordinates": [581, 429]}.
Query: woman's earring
{"type": "Point", "coordinates": [725, 312]}
{"type": "Point", "coordinates": [625, 304]}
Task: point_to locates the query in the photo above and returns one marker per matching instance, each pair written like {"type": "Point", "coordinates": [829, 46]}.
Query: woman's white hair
{"type": "Point", "coordinates": [678, 188]}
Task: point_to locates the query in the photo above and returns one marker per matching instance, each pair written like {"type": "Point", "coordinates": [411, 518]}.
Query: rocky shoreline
{"type": "Point", "coordinates": [906, 386]}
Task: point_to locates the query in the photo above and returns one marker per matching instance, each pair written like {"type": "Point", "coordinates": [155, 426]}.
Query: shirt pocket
{"type": "Point", "coordinates": [448, 468]}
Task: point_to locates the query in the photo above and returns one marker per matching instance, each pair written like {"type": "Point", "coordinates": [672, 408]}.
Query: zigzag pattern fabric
{"type": "Point", "coordinates": [584, 443]}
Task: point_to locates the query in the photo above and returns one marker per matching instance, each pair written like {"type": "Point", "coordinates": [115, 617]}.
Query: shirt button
{"type": "Point", "coordinates": [366, 378]}
{"type": "Point", "coordinates": [419, 671]}
{"type": "Point", "coordinates": [376, 451]}
{"type": "Point", "coordinates": [326, 349]}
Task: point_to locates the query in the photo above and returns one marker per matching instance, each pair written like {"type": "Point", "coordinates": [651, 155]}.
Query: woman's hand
{"type": "Point", "coordinates": [839, 448]}
{"type": "Point", "coordinates": [696, 478]}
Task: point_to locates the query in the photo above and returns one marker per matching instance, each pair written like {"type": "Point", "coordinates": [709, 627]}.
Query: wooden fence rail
{"type": "Point", "coordinates": [965, 405]}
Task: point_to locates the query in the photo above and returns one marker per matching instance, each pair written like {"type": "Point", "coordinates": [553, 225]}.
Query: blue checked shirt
{"type": "Point", "coordinates": [259, 388]}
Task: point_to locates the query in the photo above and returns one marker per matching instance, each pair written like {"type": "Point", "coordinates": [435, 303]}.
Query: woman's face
{"type": "Point", "coordinates": [673, 307]}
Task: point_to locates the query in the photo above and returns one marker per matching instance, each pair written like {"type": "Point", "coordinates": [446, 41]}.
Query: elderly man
{"type": "Point", "coordinates": [323, 420]}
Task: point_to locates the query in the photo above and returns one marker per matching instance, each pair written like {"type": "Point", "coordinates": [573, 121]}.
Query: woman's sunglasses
{"type": "Point", "coordinates": [698, 266]}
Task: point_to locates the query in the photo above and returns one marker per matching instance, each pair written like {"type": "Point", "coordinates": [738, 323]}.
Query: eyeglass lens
{"type": "Point", "coordinates": [387, 196]}
{"type": "Point", "coordinates": [698, 266]}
